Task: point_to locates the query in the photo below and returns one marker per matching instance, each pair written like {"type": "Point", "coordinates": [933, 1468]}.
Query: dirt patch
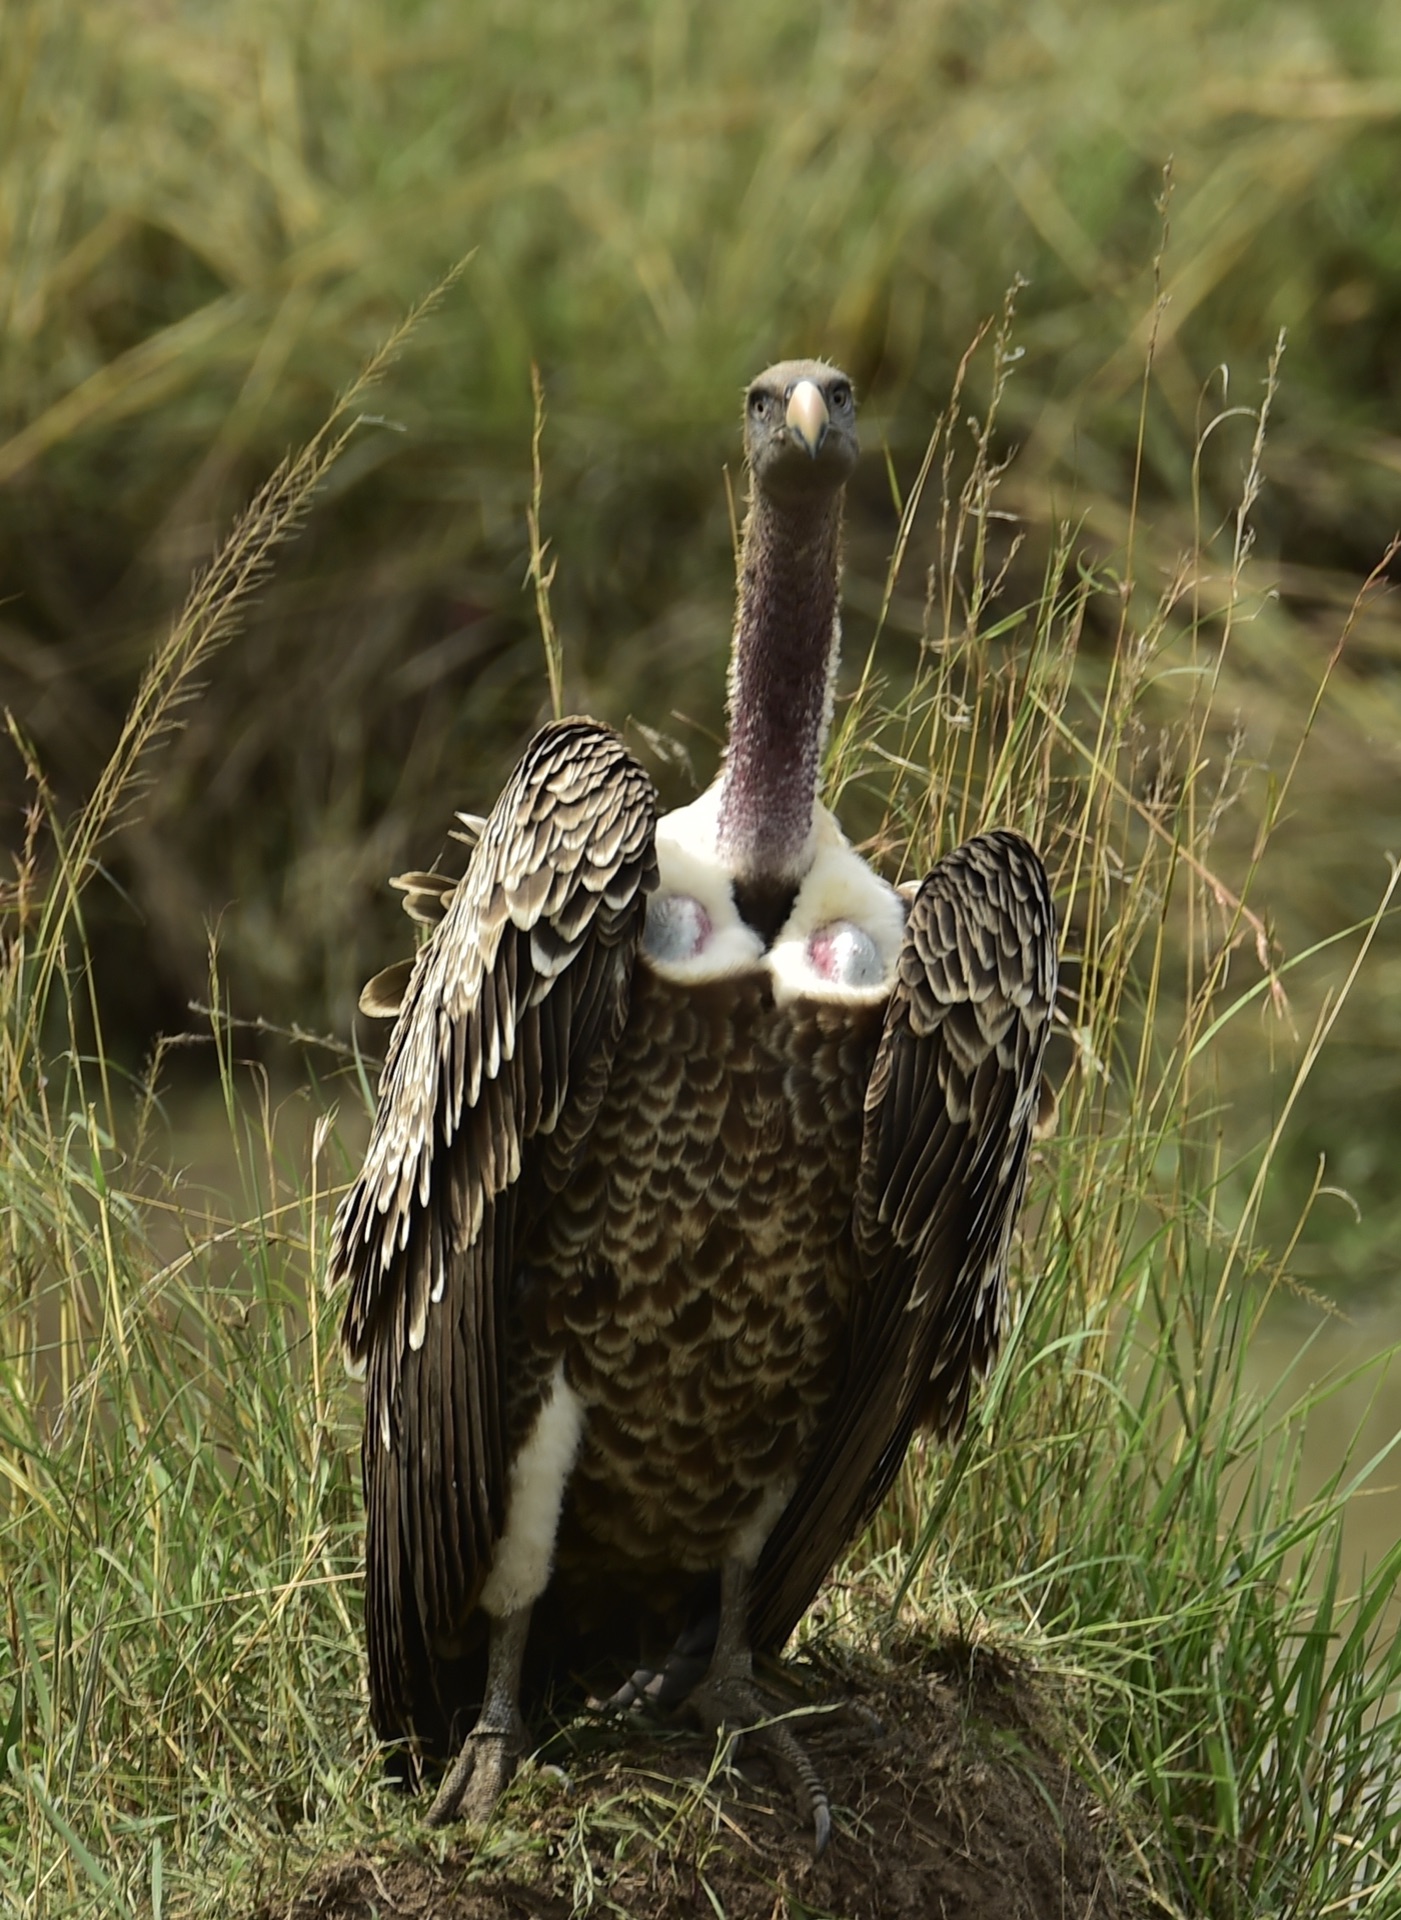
{"type": "Point", "coordinates": [953, 1801]}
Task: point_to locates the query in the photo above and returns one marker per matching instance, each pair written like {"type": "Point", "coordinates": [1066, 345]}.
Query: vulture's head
{"type": "Point", "coordinates": [800, 430]}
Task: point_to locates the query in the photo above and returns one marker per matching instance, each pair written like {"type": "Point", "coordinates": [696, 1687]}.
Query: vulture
{"type": "Point", "coordinates": [690, 1189]}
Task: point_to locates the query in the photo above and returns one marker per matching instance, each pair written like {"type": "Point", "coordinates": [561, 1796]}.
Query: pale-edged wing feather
{"type": "Point", "coordinates": [949, 1112]}
{"type": "Point", "coordinates": [495, 1071]}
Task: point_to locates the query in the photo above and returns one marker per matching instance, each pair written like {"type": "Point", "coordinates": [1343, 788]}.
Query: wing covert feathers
{"type": "Point", "coordinates": [949, 1114]}
{"type": "Point", "coordinates": [495, 1070]}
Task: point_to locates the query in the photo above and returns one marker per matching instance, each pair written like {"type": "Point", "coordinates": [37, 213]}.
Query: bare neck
{"type": "Point", "coordinates": [781, 673]}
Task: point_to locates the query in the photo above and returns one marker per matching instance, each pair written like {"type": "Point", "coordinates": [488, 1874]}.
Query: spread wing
{"type": "Point", "coordinates": [949, 1113]}
{"type": "Point", "coordinates": [496, 1068]}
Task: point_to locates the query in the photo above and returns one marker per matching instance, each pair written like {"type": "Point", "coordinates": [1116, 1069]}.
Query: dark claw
{"type": "Point", "coordinates": [679, 1674]}
{"type": "Point", "coordinates": [821, 1828]}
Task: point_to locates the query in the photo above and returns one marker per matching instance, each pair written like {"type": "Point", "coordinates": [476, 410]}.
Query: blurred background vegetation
{"type": "Point", "coordinates": [210, 215]}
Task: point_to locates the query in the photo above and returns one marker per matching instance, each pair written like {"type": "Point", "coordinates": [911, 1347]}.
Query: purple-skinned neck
{"type": "Point", "coordinates": [781, 673]}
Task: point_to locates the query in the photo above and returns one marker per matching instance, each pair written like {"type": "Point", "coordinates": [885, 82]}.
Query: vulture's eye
{"type": "Point", "coordinates": [841, 394]}
{"type": "Point", "coordinates": [758, 405]}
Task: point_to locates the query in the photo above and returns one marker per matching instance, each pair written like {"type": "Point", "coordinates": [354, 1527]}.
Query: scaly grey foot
{"type": "Point", "coordinates": [478, 1777]}
{"type": "Point", "coordinates": [729, 1701]}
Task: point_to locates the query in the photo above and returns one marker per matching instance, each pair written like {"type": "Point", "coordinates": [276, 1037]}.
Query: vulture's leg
{"type": "Point", "coordinates": [727, 1696]}
{"type": "Point", "coordinates": [520, 1569]}
{"type": "Point", "coordinates": [495, 1746]}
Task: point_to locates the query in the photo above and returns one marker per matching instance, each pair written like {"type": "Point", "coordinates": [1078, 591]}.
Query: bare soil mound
{"type": "Point", "coordinates": [953, 1800]}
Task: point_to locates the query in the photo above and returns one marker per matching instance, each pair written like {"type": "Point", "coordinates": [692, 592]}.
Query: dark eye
{"type": "Point", "coordinates": [841, 394]}
{"type": "Point", "coordinates": [758, 404]}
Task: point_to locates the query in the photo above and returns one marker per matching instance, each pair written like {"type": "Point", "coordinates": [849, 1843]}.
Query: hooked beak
{"type": "Point", "coordinates": [807, 417]}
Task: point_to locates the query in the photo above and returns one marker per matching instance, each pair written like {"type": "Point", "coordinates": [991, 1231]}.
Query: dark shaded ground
{"type": "Point", "coordinates": [953, 1801]}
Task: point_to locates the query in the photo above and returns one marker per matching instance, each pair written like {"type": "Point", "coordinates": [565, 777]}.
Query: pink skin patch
{"type": "Point", "coordinates": [678, 927]}
{"type": "Point", "coordinates": [845, 954]}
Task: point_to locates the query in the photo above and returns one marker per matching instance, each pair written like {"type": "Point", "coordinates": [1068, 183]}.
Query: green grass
{"type": "Point", "coordinates": [180, 1665]}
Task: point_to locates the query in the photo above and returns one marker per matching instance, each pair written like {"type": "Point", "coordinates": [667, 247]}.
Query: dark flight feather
{"type": "Point", "coordinates": [492, 1080]}
{"type": "Point", "coordinates": [949, 1111]}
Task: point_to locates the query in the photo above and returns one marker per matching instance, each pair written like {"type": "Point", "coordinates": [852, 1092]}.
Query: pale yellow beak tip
{"type": "Point", "coordinates": [807, 415]}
